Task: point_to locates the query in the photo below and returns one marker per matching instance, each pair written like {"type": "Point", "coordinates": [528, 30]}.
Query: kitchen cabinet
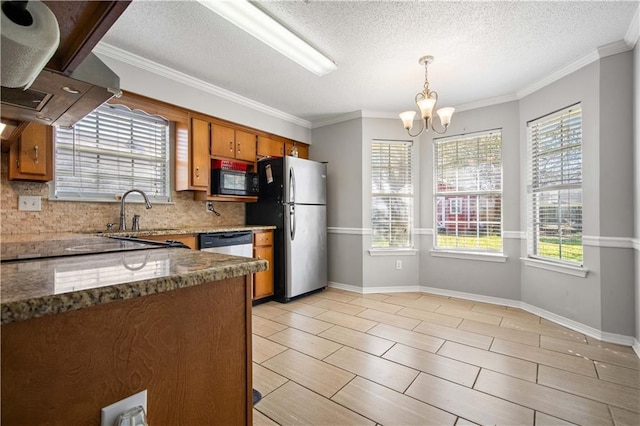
{"type": "Point", "coordinates": [263, 249]}
{"type": "Point", "coordinates": [189, 347]}
{"type": "Point", "coordinates": [232, 143]}
{"type": "Point", "coordinates": [192, 155]}
{"type": "Point", "coordinates": [303, 149]}
{"type": "Point", "coordinates": [270, 147]}
{"type": "Point", "coordinates": [190, 240]}
{"type": "Point", "coordinates": [200, 153]}
{"type": "Point", "coordinates": [31, 156]}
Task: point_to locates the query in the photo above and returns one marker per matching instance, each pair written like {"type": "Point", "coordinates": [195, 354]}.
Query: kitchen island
{"type": "Point", "coordinates": [84, 331]}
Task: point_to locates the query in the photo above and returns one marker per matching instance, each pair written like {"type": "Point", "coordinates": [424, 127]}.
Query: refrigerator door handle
{"type": "Point", "coordinates": [292, 221]}
{"type": "Point", "coordinates": [292, 203]}
{"type": "Point", "coordinates": [292, 186]}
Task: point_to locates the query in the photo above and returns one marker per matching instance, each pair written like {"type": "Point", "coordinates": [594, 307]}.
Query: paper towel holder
{"type": "Point", "coordinates": [16, 10]}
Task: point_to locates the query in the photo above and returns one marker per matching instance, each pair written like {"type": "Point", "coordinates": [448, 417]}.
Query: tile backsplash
{"type": "Point", "coordinates": [71, 216]}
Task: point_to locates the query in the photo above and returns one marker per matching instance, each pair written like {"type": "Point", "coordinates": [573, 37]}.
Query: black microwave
{"type": "Point", "coordinates": [233, 182]}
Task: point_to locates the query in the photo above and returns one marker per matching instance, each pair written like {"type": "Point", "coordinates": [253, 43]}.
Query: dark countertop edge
{"type": "Point", "coordinates": [65, 302]}
{"type": "Point", "coordinates": [183, 231]}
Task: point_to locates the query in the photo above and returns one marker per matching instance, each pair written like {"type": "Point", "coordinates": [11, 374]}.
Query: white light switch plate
{"type": "Point", "coordinates": [110, 413]}
{"type": "Point", "coordinates": [29, 203]}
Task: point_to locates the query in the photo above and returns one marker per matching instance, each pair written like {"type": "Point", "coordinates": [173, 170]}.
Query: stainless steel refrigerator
{"type": "Point", "coordinates": [293, 194]}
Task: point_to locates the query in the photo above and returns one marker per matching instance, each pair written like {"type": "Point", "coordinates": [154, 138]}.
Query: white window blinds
{"type": "Point", "coordinates": [555, 186]}
{"type": "Point", "coordinates": [391, 194]}
{"type": "Point", "coordinates": [468, 192]}
{"type": "Point", "coordinates": [110, 151]}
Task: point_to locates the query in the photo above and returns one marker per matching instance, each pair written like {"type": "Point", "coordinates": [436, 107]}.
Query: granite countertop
{"type": "Point", "coordinates": [39, 287]}
{"type": "Point", "coordinates": [27, 237]}
{"type": "Point", "coordinates": [185, 231]}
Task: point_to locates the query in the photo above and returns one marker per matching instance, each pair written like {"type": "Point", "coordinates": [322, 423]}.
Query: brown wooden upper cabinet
{"type": "Point", "coordinates": [200, 160]}
{"type": "Point", "coordinates": [268, 147]}
{"type": "Point", "coordinates": [303, 149]}
{"type": "Point", "coordinates": [232, 143]}
{"type": "Point", "coordinates": [31, 156]}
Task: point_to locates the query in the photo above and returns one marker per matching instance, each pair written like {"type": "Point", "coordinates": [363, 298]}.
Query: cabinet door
{"type": "Point", "coordinates": [303, 149]}
{"type": "Point", "coordinates": [200, 159]}
{"type": "Point", "coordinates": [31, 156]}
{"type": "Point", "coordinates": [223, 141]}
{"type": "Point", "coordinates": [263, 281]}
{"type": "Point", "coordinates": [268, 147]}
{"type": "Point", "coordinates": [188, 239]}
{"type": "Point", "coordinates": [245, 146]}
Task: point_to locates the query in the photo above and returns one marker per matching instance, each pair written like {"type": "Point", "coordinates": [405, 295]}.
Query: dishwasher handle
{"type": "Point", "coordinates": [223, 239]}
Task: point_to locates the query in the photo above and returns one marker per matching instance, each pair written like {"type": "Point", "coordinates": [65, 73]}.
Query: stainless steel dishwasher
{"type": "Point", "coordinates": [237, 243]}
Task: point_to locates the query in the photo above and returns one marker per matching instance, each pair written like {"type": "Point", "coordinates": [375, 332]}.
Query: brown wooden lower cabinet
{"type": "Point", "coordinates": [189, 348]}
{"type": "Point", "coordinates": [190, 240]}
{"type": "Point", "coordinates": [263, 249]}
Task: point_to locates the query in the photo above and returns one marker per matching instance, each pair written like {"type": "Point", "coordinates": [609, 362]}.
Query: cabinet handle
{"type": "Point", "coordinates": [231, 146]}
{"type": "Point", "coordinates": [35, 156]}
{"type": "Point", "coordinates": [238, 147]}
{"type": "Point", "coordinates": [197, 172]}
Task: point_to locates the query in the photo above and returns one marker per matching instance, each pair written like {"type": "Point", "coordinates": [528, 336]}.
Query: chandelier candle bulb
{"type": "Point", "coordinates": [426, 102]}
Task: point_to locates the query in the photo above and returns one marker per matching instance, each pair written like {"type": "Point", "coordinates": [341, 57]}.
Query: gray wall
{"type": "Point", "coordinates": [617, 192]}
{"type": "Point", "coordinates": [476, 276]}
{"type": "Point", "coordinates": [605, 298]}
{"type": "Point", "coordinates": [341, 146]}
{"type": "Point", "coordinates": [636, 168]}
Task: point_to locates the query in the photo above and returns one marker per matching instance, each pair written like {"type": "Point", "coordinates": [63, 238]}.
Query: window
{"type": "Point", "coordinates": [110, 151]}
{"type": "Point", "coordinates": [391, 194]}
{"type": "Point", "coordinates": [554, 186]}
{"type": "Point", "coordinates": [468, 192]}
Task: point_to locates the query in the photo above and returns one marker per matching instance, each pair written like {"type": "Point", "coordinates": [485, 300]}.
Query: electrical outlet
{"type": "Point", "coordinates": [110, 413]}
{"type": "Point", "coordinates": [209, 206]}
{"type": "Point", "coordinates": [398, 264]}
{"type": "Point", "coordinates": [29, 203]}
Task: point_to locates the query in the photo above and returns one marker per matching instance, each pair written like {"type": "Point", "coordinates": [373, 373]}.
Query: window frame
{"type": "Point", "coordinates": [533, 237]}
{"type": "Point", "coordinates": [443, 199]}
{"type": "Point", "coordinates": [57, 194]}
{"type": "Point", "coordinates": [402, 195]}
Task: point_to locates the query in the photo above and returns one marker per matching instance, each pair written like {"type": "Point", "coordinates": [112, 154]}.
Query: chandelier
{"type": "Point", "coordinates": [426, 101]}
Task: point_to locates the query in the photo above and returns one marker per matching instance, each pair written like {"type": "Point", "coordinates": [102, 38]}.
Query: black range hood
{"type": "Point", "coordinates": [59, 100]}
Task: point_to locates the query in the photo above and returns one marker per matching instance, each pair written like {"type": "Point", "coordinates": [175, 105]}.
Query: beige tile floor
{"type": "Point", "coordinates": [341, 358]}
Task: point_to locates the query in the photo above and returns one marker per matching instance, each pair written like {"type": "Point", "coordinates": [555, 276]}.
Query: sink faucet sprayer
{"type": "Point", "coordinates": [123, 218]}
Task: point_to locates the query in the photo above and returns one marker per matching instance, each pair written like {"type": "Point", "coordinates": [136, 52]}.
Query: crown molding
{"type": "Point", "coordinates": [614, 48]}
{"type": "Point", "coordinates": [487, 102]}
{"type": "Point", "coordinates": [337, 119]}
{"type": "Point", "coordinates": [562, 72]}
{"type": "Point", "coordinates": [121, 55]}
{"type": "Point", "coordinates": [633, 32]}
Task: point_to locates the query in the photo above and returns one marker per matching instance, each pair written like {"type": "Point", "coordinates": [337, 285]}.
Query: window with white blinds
{"type": "Point", "coordinates": [554, 186]}
{"type": "Point", "coordinates": [468, 192]}
{"type": "Point", "coordinates": [391, 194]}
{"type": "Point", "coordinates": [110, 151]}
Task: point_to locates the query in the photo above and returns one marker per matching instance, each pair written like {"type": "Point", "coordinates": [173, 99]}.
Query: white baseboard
{"type": "Point", "coordinates": [370, 290]}
{"type": "Point", "coordinates": [558, 319]}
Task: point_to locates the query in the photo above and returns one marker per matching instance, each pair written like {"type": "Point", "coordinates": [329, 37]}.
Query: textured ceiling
{"type": "Point", "coordinates": [482, 49]}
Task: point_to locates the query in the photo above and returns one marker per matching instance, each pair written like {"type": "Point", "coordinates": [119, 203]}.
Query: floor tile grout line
{"type": "Point", "coordinates": [538, 326]}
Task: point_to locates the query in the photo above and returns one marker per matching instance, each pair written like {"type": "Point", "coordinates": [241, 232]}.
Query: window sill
{"type": "Point", "coordinates": [392, 252]}
{"type": "Point", "coordinates": [466, 255]}
{"type": "Point", "coordinates": [576, 271]}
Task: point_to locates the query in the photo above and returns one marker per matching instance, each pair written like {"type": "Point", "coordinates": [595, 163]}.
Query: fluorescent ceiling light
{"type": "Point", "coordinates": [254, 21]}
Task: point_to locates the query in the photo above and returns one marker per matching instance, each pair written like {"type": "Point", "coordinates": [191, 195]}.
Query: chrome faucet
{"type": "Point", "coordinates": [123, 217]}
